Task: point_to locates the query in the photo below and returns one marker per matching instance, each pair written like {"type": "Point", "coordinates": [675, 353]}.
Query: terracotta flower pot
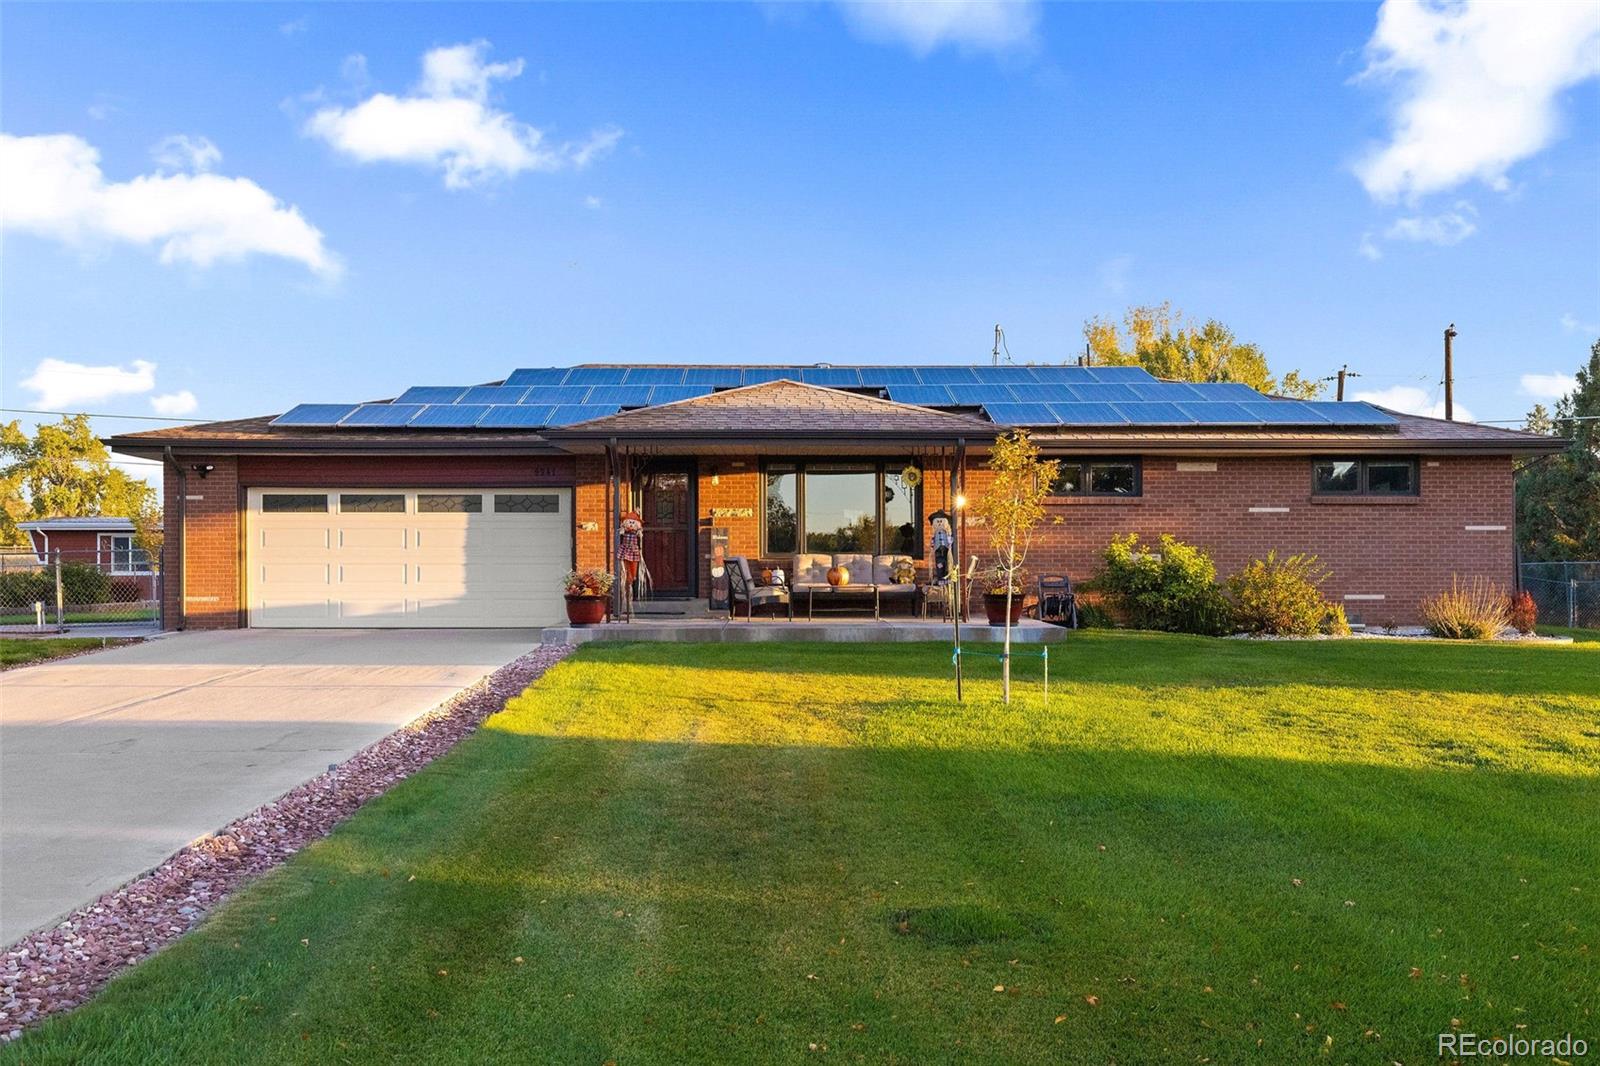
{"type": "Point", "coordinates": [994, 605]}
{"type": "Point", "coordinates": [586, 610]}
{"type": "Point", "coordinates": [838, 575]}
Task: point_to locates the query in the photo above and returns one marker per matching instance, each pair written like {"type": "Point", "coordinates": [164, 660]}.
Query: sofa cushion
{"type": "Point", "coordinates": [860, 567]}
{"type": "Point", "coordinates": [811, 569]}
{"type": "Point", "coordinates": [883, 568]}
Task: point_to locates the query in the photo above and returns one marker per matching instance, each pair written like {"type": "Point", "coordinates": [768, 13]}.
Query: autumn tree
{"type": "Point", "coordinates": [1558, 496]}
{"type": "Point", "coordinates": [1011, 508]}
{"type": "Point", "coordinates": [64, 471]}
{"type": "Point", "coordinates": [1162, 341]}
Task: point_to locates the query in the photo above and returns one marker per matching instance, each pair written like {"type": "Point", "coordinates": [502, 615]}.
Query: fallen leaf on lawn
{"type": "Point", "coordinates": [413, 877]}
{"type": "Point", "coordinates": [1338, 1005]}
{"type": "Point", "coordinates": [1455, 1023]}
{"type": "Point", "coordinates": [1207, 988]}
{"type": "Point", "coordinates": [518, 960]}
{"type": "Point", "coordinates": [859, 1027]}
{"type": "Point", "coordinates": [1100, 847]}
{"type": "Point", "coordinates": [1093, 1001]}
{"type": "Point", "coordinates": [1060, 1018]}
{"type": "Point", "coordinates": [999, 988]}
{"type": "Point", "coordinates": [811, 977]}
{"type": "Point", "coordinates": [1296, 882]}
{"type": "Point", "coordinates": [1349, 903]}
{"type": "Point", "coordinates": [1416, 971]}
{"type": "Point", "coordinates": [444, 973]}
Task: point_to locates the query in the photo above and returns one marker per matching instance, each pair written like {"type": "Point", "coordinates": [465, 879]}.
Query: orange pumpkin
{"type": "Point", "coordinates": [838, 575]}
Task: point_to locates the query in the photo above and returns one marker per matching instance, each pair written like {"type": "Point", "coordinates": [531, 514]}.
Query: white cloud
{"type": "Point", "coordinates": [447, 123]}
{"type": "Point", "coordinates": [926, 25]}
{"type": "Point", "coordinates": [182, 152]}
{"type": "Point", "coordinates": [593, 203]}
{"type": "Point", "coordinates": [1476, 88]}
{"type": "Point", "coordinates": [294, 27]}
{"type": "Point", "coordinates": [182, 402]}
{"type": "Point", "coordinates": [58, 384]}
{"type": "Point", "coordinates": [1573, 324]}
{"type": "Point", "coordinates": [1548, 386]}
{"type": "Point", "coordinates": [1444, 229]}
{"type": "Point", "coordinates": [1369, 248]}
{"type": "Point", "coordinates": [1411, 400]}
{"type": "Point", "coordinates": [1114, 274]}
{"type": "Point", "coordinates": [52, 186]}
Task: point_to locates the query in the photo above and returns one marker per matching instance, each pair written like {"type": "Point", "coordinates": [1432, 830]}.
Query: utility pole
{"type": "Point", "coordinates": [1449, 375]}
{"type": "Point", "coordinates": [999, 335]}
{"type": "Point", "coordinates": [1344, 372]}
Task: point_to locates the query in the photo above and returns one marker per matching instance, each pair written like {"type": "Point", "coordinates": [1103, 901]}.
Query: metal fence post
{"type": "Point", "coordinates": [61, 613]}
{"type": "Point", "coordinates": [1572, 603]}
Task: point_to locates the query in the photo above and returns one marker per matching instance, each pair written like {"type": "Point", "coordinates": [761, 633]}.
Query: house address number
{"type": "Point", "coordinates": [733, 512]}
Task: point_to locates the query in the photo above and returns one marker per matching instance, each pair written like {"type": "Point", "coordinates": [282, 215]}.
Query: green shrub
{"type": "Point", "coordinates": [80, 583]}
{"type": "Point", "coordinates": [1524, 612]}
{"type": "Point", "coordinates": [1281, 597]}
{"type": "Point", "coordinates": [1477, 611]}
{"type": "Point", "coordinates": [1173, 589]}
{"type": "Point", "coordinates": [1334, 623]}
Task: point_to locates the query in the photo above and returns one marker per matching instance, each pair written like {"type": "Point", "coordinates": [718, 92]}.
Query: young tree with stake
{"type": "Point", "coordinates": [1012, 507]}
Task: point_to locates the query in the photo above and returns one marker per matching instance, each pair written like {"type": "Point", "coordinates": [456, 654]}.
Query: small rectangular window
{"type": "Point", "coordinates": [295, 503]}
{"type": "Point", "coordinates": [372, 503]}
{"type": "Point", "coordinates": [1112, 479]}
{"type": "Point", "coordinates": [527, 503]}
{"type": "Point", "coordinates": [449, 503]}
{"type": "Point", "coordinates": [1364, 477]}
{"type": "Point", "coordinates": [1097, 477]}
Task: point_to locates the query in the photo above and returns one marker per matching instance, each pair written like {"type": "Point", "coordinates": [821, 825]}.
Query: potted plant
{"type": "Point", "coordinates": [588, 591]}
{"type": "Point", "coordinates": [1011, 507]}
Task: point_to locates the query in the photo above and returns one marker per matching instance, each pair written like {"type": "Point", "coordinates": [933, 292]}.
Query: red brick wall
{"type": "Point", "coordinates": [1402, 550]}
{"type": "Point", "coordinates": [394, 471]}
{"type": "Point", "coordinates": [204, 583]}
{"type": "Point", "coordinates": [592, 507]}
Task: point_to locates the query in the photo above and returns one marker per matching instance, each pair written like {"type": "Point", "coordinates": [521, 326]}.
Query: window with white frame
{"type": "Point", "coordinates": [120, 555]}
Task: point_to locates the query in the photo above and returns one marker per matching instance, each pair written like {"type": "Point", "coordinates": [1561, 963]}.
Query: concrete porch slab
{"type": "Point", "coordinates": [851, 631]}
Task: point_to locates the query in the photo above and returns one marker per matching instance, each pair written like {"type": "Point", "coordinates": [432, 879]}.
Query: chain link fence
{"type": "Point", "coordinates": [1567, 594]}
{"type": "Point", "coordinates": [67, 589]}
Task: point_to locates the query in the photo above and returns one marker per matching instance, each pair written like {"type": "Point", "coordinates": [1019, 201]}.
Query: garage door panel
{"type": "Point", "coordinates": [408, 568]}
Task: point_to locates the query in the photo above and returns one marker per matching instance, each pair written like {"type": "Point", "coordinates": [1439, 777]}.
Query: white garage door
{"type": "Point", "coordinates": [414, 558]}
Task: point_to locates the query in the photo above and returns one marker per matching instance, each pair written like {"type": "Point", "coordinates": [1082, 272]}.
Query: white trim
{"type": "Point", "coordinates": [1269, 510]}
{"type": "Point", "coordinates": [1363, 596]}
{"type": "Point", "coordinates": [1198, 467]}
{"type": "Point", "coordinates": [1485, 529]}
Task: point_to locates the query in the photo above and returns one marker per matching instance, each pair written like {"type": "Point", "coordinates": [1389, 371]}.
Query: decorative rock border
{"type": "Point", "coordinates": [59, 968]}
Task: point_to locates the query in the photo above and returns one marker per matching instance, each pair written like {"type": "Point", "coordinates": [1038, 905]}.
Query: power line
{"type": "Point", "coordinates": [90, 414]}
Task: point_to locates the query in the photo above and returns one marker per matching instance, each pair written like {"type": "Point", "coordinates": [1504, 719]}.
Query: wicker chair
{"type": "Point", "coordinates": [742, 586]}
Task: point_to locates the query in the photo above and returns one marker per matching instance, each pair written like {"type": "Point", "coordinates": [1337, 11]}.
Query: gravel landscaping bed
{"type": "Point", "coordinates": [1507, 636]}
{"type": "Point", "coordinates": [56, 969]}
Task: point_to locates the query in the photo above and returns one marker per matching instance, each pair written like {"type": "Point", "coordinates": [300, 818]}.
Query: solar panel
{"type": "Point", "coordinates": [1170, 391]}
{"type": "Point", "coordinates": [673, 393]}
{"type": "Point", "coordinates": [314, 414]}
{"type": "Point", "coordinates": [493, 394]}
{"type": "Point", "coordinates": [882, 376]}
{"type": "Point", "coordinates": [1020, 414]}
{"type": "Point", "coordinates": [1225, 391]}
{"type": "Point", "coordinates": [596, 375]}
{"type": "Point", "coordinates": [973, 395]}
{"type": "Point", "coordinates": [1349, 413]}
{"type": "Point", "coordinates": [1284, 412]}
{"type": "Point", "coordinates": [432, 394]}
{"type": "Point", "coordinates": [758, 375]}
{"type": "Point", "coordinates": [549, 375]}
{"type": "Point", "coordinates": [1154, 413]}
{"type": "Point", "coordinates": [1088, 414]}
{"type": "Point", "coordinates": [1047, 392]}
{"type": "Point", "coordinates": [1098, 392]}
{"type": "Point", "coordinates": [921, 395]}
{"type": "Point", "coordinates": [720, 376]}
{"type": "Point", "coordinates": [520, 416]}
{"type": "Point", "coordinates": [1120, 373]}
{"type": "Point", "coordinates": [946, 375]}
{"type": "Point", "coordinates": [566, 414]}
{"type": "Point", "coordinates": [1215, 414]}
{"type": "Point", "coordinates": [621, 395]}
{"type": "Point", "coordinates": [1003, 375]}
{"type": "Point", "coordinates": [1065, 375]}
{"type": "Point", "coordinates": [654, 375]}
{"type": "Point", "coordinates": [556, 394]}
{"type": "Point", "coordinates": [833, 377]}
{"type": "Point", "coordinates": [449, 416]}
{"type": "Point", "coordinates": [383, 414]}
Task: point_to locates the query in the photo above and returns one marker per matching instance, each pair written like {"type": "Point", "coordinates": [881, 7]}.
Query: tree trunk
{"type": "Point", "coordinates": [1005, 661]}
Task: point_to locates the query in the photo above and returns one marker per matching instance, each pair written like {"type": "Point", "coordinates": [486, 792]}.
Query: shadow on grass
{"type": "Point", "coordinates": [558, 899]}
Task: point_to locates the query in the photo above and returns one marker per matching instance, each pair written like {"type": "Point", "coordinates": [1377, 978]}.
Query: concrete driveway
{"type": "Point", "coordinates": [111, 762]}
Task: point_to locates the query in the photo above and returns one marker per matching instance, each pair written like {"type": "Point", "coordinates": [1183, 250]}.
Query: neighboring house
{"type": "Point", "coordinates": [457, 505]}
{"type": "Point", "coordinates": [105, 542]}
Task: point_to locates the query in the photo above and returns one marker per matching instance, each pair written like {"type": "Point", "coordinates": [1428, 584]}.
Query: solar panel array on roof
{"type": "Point", "coordinates": [536, 397]}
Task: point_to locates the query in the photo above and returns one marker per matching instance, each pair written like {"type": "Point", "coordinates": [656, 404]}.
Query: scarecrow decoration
{"type": "Point", "coordinates": [630, 549]}
{"type": "Point", "coordinates": [940, 521]}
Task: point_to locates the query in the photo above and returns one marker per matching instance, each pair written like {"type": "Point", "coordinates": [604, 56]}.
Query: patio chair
{"type": "Point", "coordinates": [1058, 604]}
{"type": "Point", "coordinates": [742, 586]}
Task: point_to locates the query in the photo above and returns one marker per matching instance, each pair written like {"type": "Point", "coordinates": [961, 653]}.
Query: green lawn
{"type": "Point", "coordinates": [1199, 850]}
{"type": "Point", "coordinates": [72, 617]}
{"type": "Point", "coordinates": [14, 652]}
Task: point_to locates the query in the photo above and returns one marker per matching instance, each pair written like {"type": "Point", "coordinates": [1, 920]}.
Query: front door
{"type": "Point", "coordinates": [668, 529]}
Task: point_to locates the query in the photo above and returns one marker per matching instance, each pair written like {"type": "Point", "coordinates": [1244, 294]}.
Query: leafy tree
{"type": "Point", "coordinates": [1011, 507]}
{"type": "Point", "coordinates": [64, 471]}
{"type": "Point", "coordinates": [1558, 496]}
{"type": "Point", "coordinates": [1164, 343]}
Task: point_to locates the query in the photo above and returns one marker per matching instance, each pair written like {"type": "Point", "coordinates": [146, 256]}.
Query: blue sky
{"type": "Point", "coordinates": [285, 207]}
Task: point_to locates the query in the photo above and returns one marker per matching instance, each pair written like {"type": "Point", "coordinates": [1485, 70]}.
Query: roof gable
{"type": "Point", "coordinates": [781, 409]}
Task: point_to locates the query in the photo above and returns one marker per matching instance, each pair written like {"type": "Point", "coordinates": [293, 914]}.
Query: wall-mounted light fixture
{"type": "Point", "coordinates": [202, 468]}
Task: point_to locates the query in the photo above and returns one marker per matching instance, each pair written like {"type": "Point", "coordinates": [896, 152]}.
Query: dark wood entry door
{"type": "Point", "coordinates": [664, 505]}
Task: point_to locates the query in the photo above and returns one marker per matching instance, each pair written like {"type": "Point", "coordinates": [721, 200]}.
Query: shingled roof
{"type": "Point", "coordinates": [787, 409]}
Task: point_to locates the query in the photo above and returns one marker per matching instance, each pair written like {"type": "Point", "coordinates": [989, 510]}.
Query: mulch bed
{"type": "Point", "coordinates": [56, 969]}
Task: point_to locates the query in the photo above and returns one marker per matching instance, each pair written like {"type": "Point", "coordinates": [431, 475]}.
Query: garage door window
{"type": "Point", "coordinates": [372, 503]}
{"type": "Point", "coordinates": [527, 503]}
{"type": "Point", "coordinates": [449, 503]}
{"type": "Point", "coordinates": [295, 503]}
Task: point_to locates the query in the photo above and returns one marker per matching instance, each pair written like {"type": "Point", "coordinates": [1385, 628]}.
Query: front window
{"type": "Point", "coordinates": [839, 507]}
{"type": "Point", "coordinates": [1097, 477]}
{"type": "Point", "coordinates": [1364, 477]}
{"type": "Point", "coordinates": [121, 555]}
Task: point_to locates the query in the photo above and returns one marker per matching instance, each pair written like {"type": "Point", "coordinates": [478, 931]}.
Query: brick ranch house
{"type": "Point", "coordinates": [104, 542]}
{"type": "Point", "coordinates": [464, 506]}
